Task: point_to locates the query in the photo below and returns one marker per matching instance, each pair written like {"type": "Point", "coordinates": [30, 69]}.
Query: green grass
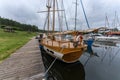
{"type": "Point", "coordinates": [10, 42]}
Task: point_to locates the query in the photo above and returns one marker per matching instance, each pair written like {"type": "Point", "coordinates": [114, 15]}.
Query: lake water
{"type": "Point", "coordinates": [104, 66]}
{"type": "Point", "coordinates": [63, 71]}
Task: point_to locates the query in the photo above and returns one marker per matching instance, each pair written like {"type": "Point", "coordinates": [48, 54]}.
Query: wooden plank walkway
{"type": "Point", "coordinates": [24, 64]}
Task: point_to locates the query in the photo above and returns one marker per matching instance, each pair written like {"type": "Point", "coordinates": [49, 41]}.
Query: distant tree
{"type": "Point", "coordinates": [2, 26]}
{"type": "Point", "coordinates": [17, 26]}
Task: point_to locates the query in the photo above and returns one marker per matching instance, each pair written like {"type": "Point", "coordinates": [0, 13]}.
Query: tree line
{"type": "Point", "coordinates": [17, 25]}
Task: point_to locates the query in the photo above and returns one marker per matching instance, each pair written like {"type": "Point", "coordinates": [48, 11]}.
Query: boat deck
{"type": "Point", "coordinates": [63, 43]}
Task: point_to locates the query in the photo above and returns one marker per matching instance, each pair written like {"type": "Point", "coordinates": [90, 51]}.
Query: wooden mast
{"type": "Point", "coordinates": [53, 15]}
{"type": "Point", "coordinates": [48, 6]}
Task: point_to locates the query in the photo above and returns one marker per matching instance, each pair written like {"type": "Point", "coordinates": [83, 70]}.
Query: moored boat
{"type": "Point", "coordinates": [63, 49]}
{"type": "Point", "coordinates": [61, 45]}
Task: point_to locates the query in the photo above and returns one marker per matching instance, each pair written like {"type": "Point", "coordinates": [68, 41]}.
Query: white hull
{"type": "Point", "coordinates": [53, 53]}
{"type": "Point", "coordinates": [104, 38]}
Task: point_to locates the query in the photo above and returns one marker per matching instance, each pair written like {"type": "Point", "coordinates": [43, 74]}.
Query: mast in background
{"type": "Point", "coordinates": [116, 21]}
{"type": "Point", "coordinates": [106, 21]}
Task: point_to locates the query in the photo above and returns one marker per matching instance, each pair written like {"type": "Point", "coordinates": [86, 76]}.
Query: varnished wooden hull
{"type": "Point", "coordinates": [68, 55]}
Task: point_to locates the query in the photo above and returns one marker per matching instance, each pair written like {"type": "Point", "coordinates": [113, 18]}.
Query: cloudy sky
{"type": "Point", "coordinates": [25, 11]}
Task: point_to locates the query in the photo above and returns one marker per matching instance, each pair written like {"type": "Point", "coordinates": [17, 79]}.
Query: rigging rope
{"type": "Point", "coordinates": [59, 20]}
{"type": "Point", "coordinates": [76, 15]}
{"type": "Point", "coordinates": [84, 14]}
{"type": "Point", "coordinates": [45, 23]}
{"type": "Point", "coordinates": [65, 15]}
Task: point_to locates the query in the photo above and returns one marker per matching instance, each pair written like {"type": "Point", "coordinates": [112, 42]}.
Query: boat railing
{"type": "Point", "coordinates": [60, 43]}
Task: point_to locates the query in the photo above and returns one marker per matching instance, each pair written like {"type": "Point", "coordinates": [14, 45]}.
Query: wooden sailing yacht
{"type": "Point", "coordinates": [60, 45]}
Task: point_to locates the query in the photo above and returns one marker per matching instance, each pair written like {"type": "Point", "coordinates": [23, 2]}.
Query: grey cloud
{"type": "Point", "coordinates": [21, 11]}
{"type": "Point", "coordinates": [25, 11]}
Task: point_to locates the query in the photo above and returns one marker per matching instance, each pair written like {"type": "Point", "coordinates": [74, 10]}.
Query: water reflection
{"type": "Point", "coordinates": [104, 67]}
{"type": "Point", "coordinates": [61, 70]}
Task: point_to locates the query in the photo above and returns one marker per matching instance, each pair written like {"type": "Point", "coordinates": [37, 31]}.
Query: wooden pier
{"type": "Point", "coordinates": [25, 64]}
